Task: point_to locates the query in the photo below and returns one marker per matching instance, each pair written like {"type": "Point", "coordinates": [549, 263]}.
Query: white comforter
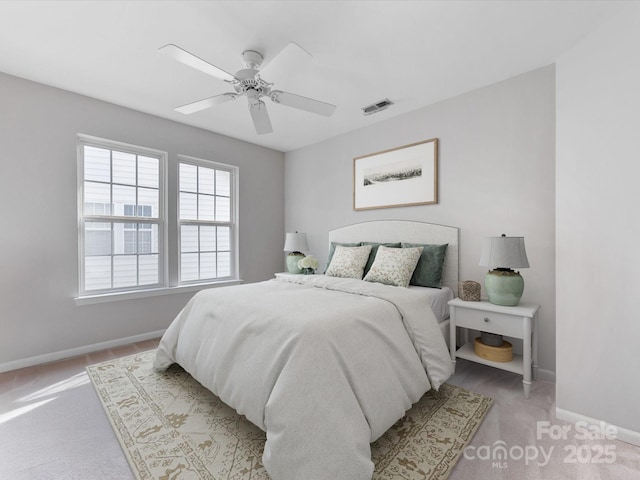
{"type": "Point", "coordinates": [323, 365]}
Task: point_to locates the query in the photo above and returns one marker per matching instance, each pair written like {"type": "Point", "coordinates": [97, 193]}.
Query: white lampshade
{"type": "Point", "coordinates": [504, 252]}
{"type": "Point", "coordinates": [296, 242]}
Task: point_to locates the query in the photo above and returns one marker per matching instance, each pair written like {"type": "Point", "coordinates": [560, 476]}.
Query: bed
{"type": "Point", "coordinates": [390, 231]}
{"type": "Point", "coordinates": [324, 365]}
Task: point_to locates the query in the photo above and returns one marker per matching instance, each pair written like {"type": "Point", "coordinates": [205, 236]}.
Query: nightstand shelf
{"type": "Point", "coordinates": [516, 365]}
{"type": "Point", "coordinates": [515, 322]}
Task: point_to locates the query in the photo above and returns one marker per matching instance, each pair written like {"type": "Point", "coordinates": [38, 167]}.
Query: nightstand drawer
{"type": "Point", "coordinates": [508, 325]}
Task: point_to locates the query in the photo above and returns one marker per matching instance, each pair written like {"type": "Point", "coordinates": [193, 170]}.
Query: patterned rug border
{"type": "Point", "coordinates": [171, 427]}
{"type": "Point", "coordinates": [466, 435]}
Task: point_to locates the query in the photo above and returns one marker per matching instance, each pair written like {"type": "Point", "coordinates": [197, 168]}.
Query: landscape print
{"type": "Point", "coordinates": [392, 173]}
{"type": "Point", "coordinates": [397, 177]}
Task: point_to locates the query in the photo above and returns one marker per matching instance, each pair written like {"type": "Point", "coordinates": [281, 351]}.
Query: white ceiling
{"type": "Point", "coordinates": [413, 52]}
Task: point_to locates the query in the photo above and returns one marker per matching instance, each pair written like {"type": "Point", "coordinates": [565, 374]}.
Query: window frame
{"type": "Point", "coordinates": [161, 222]}
{"type": "Point", "coordinates": [169, 250]}
{"type": "Point", "coordinates": [232, 223]}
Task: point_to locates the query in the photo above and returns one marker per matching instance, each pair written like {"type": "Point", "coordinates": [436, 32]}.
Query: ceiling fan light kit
{"type": "Point", "coordinates": [247, 82]}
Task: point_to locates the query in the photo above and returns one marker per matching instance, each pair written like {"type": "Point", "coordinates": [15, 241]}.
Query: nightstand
{"type": "Point", "coordinates": [515, 322]}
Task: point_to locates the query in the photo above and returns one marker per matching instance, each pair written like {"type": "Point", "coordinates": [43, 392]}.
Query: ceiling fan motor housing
{"type": "Point", "coordinates": [248, 79]}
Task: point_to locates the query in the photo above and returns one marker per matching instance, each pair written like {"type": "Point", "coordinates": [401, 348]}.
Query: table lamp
{"type": "Point", "coordinates": [503, 285]}
{"type": "Point", "coordinates": [295, 243]}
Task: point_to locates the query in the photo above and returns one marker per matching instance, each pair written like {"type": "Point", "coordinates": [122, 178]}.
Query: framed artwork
{"type": "Point", "coordinates": [398, 177]}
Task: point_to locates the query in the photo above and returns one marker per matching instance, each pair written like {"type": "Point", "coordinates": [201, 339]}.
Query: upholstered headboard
{"type": "Point", "coordinates": [389, 231]}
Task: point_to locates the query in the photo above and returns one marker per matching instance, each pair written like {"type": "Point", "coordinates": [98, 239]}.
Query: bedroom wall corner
{"type": "Point", "coordinates": [597, 231]}
{"type": "Point", "coordinates": [39, 240]}
{"type": "Point", "coordinates": [496, 175]}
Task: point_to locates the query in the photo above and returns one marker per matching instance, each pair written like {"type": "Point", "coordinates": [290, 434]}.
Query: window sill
{"type": "Point", "coordinates": [114, 297]}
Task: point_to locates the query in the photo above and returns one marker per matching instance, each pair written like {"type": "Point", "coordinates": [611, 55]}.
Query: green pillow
{"type": "Point", "coordinates": [374, 250]}
{"type": "Point", "coordinates": [428, 272]}
{"type": "Point", "coordinates": [332, 250]}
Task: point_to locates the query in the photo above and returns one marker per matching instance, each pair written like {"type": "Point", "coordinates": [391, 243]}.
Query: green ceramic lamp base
{"type": "Point", "coordinates": [504, 287]}
{"type": "Point", "coordinates": [292, 262]}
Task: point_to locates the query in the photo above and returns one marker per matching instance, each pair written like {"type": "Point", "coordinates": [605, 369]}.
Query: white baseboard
{"type": "Point", "coordinates": [547, 375]}
{"type": "Point", "coordinates": [74, 352]}
{"type": "Point", "coordinates": [623, 434]}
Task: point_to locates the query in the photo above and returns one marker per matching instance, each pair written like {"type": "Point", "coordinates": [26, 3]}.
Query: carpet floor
{"type": "Point", "coordinates": [53, 427]}
{"type": "Point", "coordinates": [169, 426]}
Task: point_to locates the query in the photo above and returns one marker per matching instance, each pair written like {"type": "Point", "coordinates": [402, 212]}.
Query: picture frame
{"type": "Point", "coordinates": [399, 177]}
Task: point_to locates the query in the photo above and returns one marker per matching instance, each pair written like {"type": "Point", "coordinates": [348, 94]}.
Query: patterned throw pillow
{"type": "Point", "coordinates": [348, 262]}
{"type": "Point", "coordinates": [394, 266]}
{"type": "Point", "coordinates": [332, 249]}
{"type": "Point", "coordinates": [374, 250]}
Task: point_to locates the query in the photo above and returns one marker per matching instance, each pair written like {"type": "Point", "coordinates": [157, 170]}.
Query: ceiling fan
{"type": "Point", "coordinates": [248, 82]}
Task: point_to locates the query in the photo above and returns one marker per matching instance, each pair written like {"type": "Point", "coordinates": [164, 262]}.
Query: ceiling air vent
{"type": "Point", "coordinates": [377, 107]}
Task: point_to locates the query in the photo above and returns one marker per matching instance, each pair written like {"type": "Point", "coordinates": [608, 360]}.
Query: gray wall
{"type": "Point", "coordinates": [496, 169]}
{"type": "Point", "coordinates": [38, 237]}
{"type": "Point", "coordinates": [598, 226]}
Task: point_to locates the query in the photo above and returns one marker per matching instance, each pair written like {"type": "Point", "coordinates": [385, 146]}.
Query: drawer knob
{"type": "Point", "coordinates": [486, 319]}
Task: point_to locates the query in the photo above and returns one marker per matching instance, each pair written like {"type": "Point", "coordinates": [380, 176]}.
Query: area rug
{"type": "Point", "coordinates": [172, 428]}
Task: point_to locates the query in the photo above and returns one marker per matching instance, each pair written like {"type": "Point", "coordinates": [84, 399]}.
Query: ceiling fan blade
{"type": "Point", "coordinates": [191, 60]}
{"type": "Point", "coordinates": [206, 103]}
{"type": "Point", "coordinates": [260, 118]}
{"type": "Point", "coordinates": [291, 58]}
{"type": "Point", "coordinates": [302, 103]}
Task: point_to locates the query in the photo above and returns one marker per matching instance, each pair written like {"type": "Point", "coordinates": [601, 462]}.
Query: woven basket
{"type": "Point", "coordinates": [469, 291]}
{"type": "Point", "coordinates": [503, 353]}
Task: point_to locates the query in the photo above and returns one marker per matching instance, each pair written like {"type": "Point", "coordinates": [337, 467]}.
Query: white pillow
{"type": "Point", "coordinates": [394, 266]}
{"type": "Point", "coordinates": [348, 262]}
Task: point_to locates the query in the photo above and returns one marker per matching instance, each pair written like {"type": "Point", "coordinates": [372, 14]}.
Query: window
{"type": "Point", "coordinates": [206, 220]}
{"type": "Point", "coordinates": [125, 234]}
{"type": "Point", "coordinates": [122, 217]}
{"type": "Point", "coordinates": [138, 238]}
